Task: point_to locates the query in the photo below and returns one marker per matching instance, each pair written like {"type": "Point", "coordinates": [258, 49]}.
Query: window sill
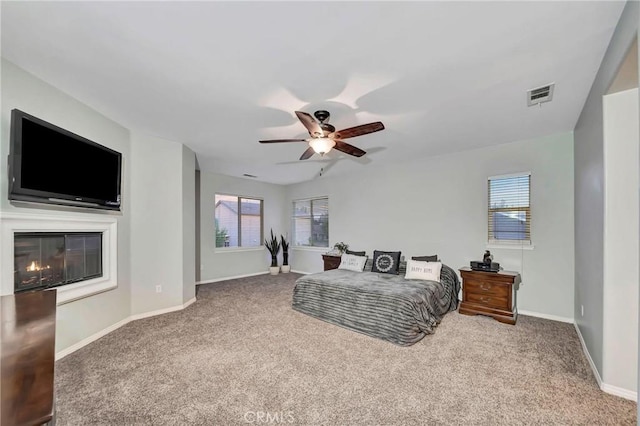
{"type": "Point", "coordinates": [315, 249]}
{"type": "Point", "coordinates": [237, 249]}
{"type": "Point", "coordinates": [510, 246]}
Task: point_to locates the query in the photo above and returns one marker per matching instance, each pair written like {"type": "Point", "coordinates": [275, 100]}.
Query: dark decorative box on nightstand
{"type": "Point", "coordinates": [490, 293]}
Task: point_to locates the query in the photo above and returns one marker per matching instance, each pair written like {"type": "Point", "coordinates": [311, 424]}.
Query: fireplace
{"type": "Point", "coordinates": [51, 259]}
{"type": "Point", "coordinates": [100, 275]}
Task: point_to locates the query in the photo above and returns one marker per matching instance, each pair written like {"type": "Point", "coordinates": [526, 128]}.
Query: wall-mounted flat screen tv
{"type": "Point", "coordinates": [48, 164]}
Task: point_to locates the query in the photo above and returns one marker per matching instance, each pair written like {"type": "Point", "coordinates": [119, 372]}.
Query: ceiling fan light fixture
{"type": "Point", "coordinates": [322, 145]}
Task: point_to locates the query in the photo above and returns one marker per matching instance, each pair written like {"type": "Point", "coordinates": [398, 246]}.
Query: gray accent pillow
{"type": "Point", "coordinates": [402, 268]}
{"type": "Point", "coordinates": [368, 265]}
{"type": "Point", "coordinates": [433, 258]}
{"type": "Point", "coordinates": [356, 253]}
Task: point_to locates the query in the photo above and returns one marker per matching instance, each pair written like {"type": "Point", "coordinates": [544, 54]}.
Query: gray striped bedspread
{"type": "Point", "coordinates": [384, 306]}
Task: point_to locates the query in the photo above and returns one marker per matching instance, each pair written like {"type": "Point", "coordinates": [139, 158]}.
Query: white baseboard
{"type": "Point", "coordinates": [623, 393]}
{"type": "Point", "coordinates": [605, 387]}
{"type": "Point", "coordinates": [301, 272]}
{"type": "Point", "coordinates": [161, 311]}
{"type": "Point", "coordinates": [84, 342]}
{"type": "Point", "coordinates": [588, 355]}
{"type": "Point", "coordinates": [215, 280]}
{"type": "Point", "coordinates": [546, 316]}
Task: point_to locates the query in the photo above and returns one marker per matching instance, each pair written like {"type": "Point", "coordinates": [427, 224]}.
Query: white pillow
{"type": "Point", "coordinates": [352, 262]}
{"type": "Point", "coordinates": [417, 270]}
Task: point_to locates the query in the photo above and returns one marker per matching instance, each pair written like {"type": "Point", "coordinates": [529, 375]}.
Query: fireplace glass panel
{"type": "Point", "coordinates": [51, 259]}
{"type": "Point", "coordinates": [39, 262]}
{"type": "Point", "coordinates": [82, 256]}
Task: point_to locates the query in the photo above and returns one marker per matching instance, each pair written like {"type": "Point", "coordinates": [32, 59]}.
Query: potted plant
{"type": "Point", "coordinates": [274, 247]}
{"type": "Point", "coordinates": [285, 255]}
{"type": "Point", "coordinates": [341, 247]}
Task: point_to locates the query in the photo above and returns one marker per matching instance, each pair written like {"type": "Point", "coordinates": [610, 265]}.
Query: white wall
{"type": "Point", "coordinates": [156, 228]}
{"type": "Point", "coordinates": [82, 318]}
{"type": "Point", "coordinates": [621, 254]}
{"type": "Point", "coordinates": [589, 190]}
{"type": "Point", "coordinates": [439, 206]}
{"type": "Point", "coordinates": [188, 224]}
{"type": "Point", "coordinates": [156, 223]}
{"type": "Point", "coordinates": [217, 264]}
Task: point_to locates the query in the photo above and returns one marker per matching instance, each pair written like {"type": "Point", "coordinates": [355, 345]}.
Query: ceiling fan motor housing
{"type": "Point", "coordinates": [322, 115]}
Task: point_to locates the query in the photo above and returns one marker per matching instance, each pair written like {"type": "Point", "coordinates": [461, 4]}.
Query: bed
{"type": "Point", "coordinates": [384, 306]}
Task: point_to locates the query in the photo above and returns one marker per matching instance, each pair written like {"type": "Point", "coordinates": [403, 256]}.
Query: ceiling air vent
{"type": "Point", "coordinates": [540, 94]}
{"type": "Point", "coordinates": [250, 176]}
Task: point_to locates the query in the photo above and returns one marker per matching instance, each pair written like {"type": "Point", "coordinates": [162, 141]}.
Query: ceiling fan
{"type": "Point", "coordinates": [324, 137]}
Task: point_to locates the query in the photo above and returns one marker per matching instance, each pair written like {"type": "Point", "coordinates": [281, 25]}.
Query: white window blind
{"type": "Point", "coordinates": [509, 214]}
{"type": "Point", "coordinates": [311, 222]}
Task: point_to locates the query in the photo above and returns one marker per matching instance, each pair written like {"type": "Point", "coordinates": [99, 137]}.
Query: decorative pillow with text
{"type": "Point", "coordinates": [351, 262]}
{"type": "Point", "coordinates": [417, 270]}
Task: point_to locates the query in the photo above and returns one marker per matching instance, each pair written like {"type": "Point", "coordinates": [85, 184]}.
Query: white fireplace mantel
{"type": "Point", "coordinates": [10, 223]}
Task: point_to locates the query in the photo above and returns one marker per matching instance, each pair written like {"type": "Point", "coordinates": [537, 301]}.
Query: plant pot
{"type": "Point", "coordinates": [274, 270]}
{"type": "Point", "coordinates": [285, 269]}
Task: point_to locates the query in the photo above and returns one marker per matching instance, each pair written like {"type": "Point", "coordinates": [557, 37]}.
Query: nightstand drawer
{"type": "Point", "coordinates": [487, 300]}
{"type": "Point", "coordinates": [486, 288]}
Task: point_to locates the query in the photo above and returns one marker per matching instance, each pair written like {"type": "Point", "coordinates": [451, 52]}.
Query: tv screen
{"type": "Point", "coordinates": [49, 164]}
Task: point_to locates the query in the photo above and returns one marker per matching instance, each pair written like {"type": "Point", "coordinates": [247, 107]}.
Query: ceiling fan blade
{"type": "Point", "coordinates": [310, 123]}
{"type": "Point", "coordinates": [358, 130]}
{"type": "Point", "coordinates": [283, 140]}
{"type": "Point", "coordinates": [307, 154]}
{"type": "Point", "coordinates": [349, 149]}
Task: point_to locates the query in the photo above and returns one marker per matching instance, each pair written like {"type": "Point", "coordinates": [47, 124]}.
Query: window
{"type": "Point", "coordinates": [509, 218]}
{"type": "Point", "coordinates": [311, 222]}
{"type": "Point", "coordinates": [238, 221]}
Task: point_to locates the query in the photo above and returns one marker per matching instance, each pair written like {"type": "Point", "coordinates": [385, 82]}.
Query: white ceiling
{"type": "Point", "coordinates": [218, 76]}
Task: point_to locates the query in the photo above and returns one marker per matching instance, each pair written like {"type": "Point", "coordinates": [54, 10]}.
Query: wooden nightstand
{"type": "Point", "coordinates": [490, 293]}
{"type": "Point", "coordinates": [331, 262]}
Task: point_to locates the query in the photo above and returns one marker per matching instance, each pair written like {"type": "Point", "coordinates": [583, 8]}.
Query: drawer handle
{"type": "Point", "coordinates": [485, 287]}
{"type": "Point", "coordinates": [485, 299]}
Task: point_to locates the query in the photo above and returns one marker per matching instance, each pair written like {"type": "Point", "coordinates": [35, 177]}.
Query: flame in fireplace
{"type": "Point", "coordinates": [35, 267]}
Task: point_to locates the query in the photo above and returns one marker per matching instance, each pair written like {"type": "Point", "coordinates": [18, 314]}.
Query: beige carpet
{"type": "Point", "coordinates": [241, 355]}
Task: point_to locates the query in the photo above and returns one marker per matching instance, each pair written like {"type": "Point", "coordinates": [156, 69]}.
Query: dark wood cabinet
{"type": "Point", "coordinates": [27, 348]}
{"type": "Point", "coordinates": [490, 293]}
{"type": "Point", "coordinates": [331, 262]}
